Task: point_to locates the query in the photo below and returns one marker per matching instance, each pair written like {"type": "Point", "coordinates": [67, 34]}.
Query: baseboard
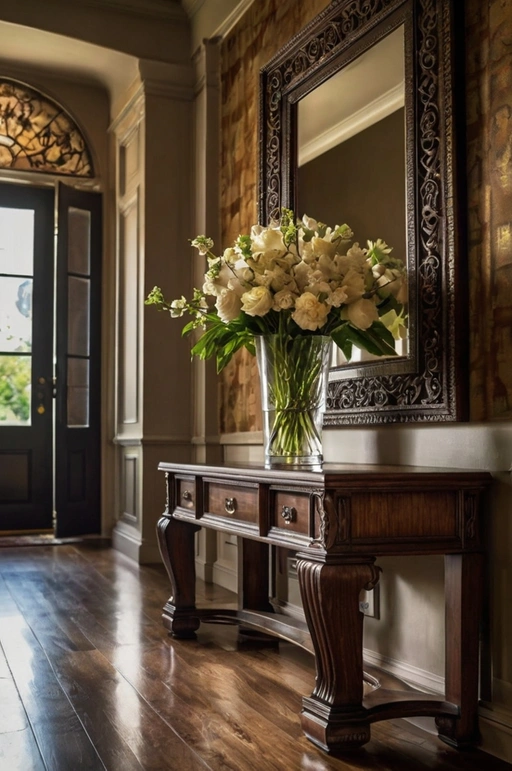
{"type": "Point", "coordinates": [204, 570]}
{"type": "Point", "coordinates": [418, 678]}
{"type": "Point", "coordinates": [128, 541]}
{"type": "Point", "coordinates": [225, 577]}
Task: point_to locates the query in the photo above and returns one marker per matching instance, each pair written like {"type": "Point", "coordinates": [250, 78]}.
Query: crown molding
{"type": "Point", "coordinates": [174, 81]}
{"type": "Point", "coordinates": [232, 19]}
{"type": "Point", "coordinates": [362, 119]}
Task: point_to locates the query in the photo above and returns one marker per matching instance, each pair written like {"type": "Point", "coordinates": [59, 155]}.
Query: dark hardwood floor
{"type": "Point", "coordinates": [89, 679]}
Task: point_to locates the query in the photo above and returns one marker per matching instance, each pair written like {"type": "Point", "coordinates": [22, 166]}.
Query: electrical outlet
{"type": "Point", "coordinates": [369, 602]}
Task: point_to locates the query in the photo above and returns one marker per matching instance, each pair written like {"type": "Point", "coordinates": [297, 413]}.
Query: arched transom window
{"type": "Point", "coordinates": [36, 134]}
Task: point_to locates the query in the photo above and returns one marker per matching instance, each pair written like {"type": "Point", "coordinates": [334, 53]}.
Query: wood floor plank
{"type": "Point", "coordinates": [211, 720]}
{"type": "Point", "coordinates": [60, 736]}
{"type": "Point", "coordinates": [19, 752]}
{"type": "Point", "coordinates": [115, 714]}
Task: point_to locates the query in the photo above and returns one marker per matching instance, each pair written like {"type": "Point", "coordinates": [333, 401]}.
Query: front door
{"type": "Point", "coordinates": [49, 459]}
{"type": "Point", "coordinates": [26, 342]}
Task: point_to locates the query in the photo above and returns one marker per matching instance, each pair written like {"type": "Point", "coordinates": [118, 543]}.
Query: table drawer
{"type": "Point", "coordinates": [292, 512]}
{"type": "Point", "coordinates": [186, 493]}
{"type": "Point", "coordinates": [232, 501]}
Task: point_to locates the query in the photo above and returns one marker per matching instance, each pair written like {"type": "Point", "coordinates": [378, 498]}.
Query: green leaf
{"type": "Point", "coordinates": [383, 333]}
{"type": "Point", "coordinates": [342, 340]}
{"type": "Point", "coordinates": [188, 328]}
{"type": "Point", "coordinates": [376, 340]}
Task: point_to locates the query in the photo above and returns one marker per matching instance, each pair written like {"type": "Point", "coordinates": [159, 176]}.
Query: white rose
{"type": "Point", "coordinates": [228, 305]}
{"type": "Point", "coordinates": [283, 300]}
{"type": "Point", "coordinates": [267, 240]}
{"type": "Point", "coordinates": [309, 312]}
{"type": "Point", "coordinates": [257, 302]}
{"type": "Point", "coordinates": [362, 313]}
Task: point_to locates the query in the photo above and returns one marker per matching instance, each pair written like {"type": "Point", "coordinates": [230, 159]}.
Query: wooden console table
{"type": "Point", "coordinates": [339, 521]}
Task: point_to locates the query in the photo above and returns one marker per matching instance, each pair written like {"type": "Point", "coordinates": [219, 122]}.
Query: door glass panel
{"type": "Point", "coordinates": [79, 241]}
{"type": "Point", "coordinates": [15, 314]}
{"type": "Point", "coordinates": [78, 316]}
{"type": "Point", "coordinates": [17, 241]}
{"type": "Point", "coordinates": [15, 390]}
{"type": "Point", "coordinates": [78, 393]}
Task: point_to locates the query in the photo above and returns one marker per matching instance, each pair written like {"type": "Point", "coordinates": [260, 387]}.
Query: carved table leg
{"type": "Point", "coordinates": [176, 541]}
{"type": "Point", "coordinates": [463, 592]}
{"type": "Point", "coordinates": [333, 717]}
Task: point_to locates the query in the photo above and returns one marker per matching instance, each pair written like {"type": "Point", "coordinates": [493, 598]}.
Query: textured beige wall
{"type": "Point", "coordinates": [255, 39]}
{"type": "Point", "coordinates": [259, 35]}
{"type": "Point", "coordinates": [489, 143]}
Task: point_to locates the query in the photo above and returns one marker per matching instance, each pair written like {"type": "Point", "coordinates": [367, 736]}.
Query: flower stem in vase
{"type": "Point", "coordinates": [294, 381]}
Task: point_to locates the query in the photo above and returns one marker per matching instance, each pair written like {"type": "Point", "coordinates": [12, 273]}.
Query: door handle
{"type": "Point", "coordinates": [42, 390]}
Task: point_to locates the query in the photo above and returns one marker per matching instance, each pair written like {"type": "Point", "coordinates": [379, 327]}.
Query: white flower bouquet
{"type": "Point", "coordinates": [295, 278]}
{"type": "Point", "coordinates": [285, 292]}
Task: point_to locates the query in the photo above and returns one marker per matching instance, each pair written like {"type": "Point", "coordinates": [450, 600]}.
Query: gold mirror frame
{"type": "Point", "coordinates": [430, 383]}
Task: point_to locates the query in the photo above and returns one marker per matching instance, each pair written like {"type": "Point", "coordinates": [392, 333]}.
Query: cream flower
{"type": "Point", "coordinates": [337, 298]}
{"type": "Point", "coordinates": [283, 300]}
{"type": "Point", "coordinates": [231, 256]}
{"type": "Point", "coordinates": [353, 285]}
{"type": "Point", "coordinates": [267, 240]}
{"type": "Point", "coordinates": [362, 313]}
{"type": "Point", "coordinates": [178, 307]}
{"type": "Point", "coordinates": [228, 305]}
{"type": "Point", "coordinates": [302, 273]}
{"type": "Point", "coordinates": [309, 312]}
{"type": "Point", "coordinates": [257, 302]}
{"type": "Point", "coordinates": [390, 282]}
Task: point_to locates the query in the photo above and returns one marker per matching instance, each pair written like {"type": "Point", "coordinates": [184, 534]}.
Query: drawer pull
{"type": "Point", "coordinates": [186, 495]}
{"type": "Point", "coordinates": [289, 514]}
{"type": "Point", "coordinates": [230, 505]}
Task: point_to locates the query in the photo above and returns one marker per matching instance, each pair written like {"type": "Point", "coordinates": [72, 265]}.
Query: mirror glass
{"type": "Point", "coordinates": [351, 154]}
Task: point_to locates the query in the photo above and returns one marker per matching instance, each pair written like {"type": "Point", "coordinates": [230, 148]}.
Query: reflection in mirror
{"type": "Point", "coordinates": [351, 154]}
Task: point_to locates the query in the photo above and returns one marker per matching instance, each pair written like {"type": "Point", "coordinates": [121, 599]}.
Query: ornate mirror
{"type": "Point", "coordinates": [359, 124]}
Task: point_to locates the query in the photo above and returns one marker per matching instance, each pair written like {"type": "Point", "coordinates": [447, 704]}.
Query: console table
{"type": "Point", "coordinates": [339, 520]}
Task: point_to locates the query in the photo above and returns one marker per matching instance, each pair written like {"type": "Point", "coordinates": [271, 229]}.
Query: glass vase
{"type": "Point", "coordinates": [294, 374]}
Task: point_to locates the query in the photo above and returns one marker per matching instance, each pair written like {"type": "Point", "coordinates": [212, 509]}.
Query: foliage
{"type": "Point", "coordinates": [295, 278]}
{"type": "Point", "coordinates": [15, 373]}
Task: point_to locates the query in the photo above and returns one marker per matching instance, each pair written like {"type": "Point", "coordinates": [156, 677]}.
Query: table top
{"type": "Point", "coordinates": [331, 473]}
